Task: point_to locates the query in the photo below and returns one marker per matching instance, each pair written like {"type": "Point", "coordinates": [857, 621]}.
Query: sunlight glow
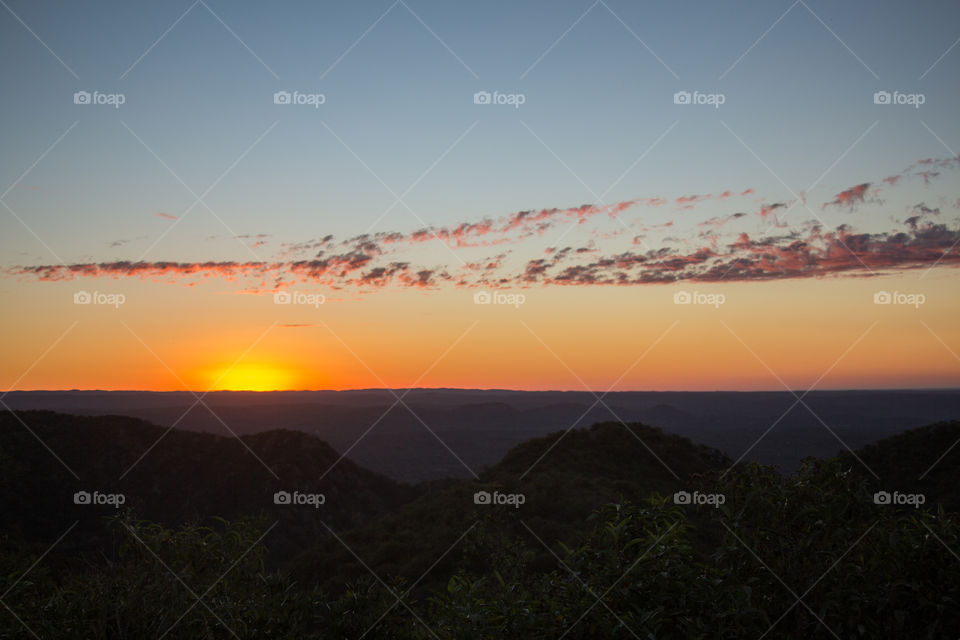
{"type": "Point", "coordinates": [252, 377]}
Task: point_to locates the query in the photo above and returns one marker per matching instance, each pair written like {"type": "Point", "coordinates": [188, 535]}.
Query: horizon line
{"type": "Point", "coordinates": [483, 390]}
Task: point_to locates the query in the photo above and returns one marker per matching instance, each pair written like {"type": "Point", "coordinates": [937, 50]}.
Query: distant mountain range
{"type": "Point", "coordinates": [442, 433]}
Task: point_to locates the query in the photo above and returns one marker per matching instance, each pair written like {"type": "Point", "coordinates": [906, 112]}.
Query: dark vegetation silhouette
{"type": "Point", "coordinates": [598, 548]}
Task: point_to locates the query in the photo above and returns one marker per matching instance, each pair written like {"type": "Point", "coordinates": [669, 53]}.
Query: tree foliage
{"type": "Point", "coordinates": [807, 556]}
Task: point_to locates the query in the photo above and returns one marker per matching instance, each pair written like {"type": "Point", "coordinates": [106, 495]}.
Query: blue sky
{"type": "Point", "coordinates": [399, 99]}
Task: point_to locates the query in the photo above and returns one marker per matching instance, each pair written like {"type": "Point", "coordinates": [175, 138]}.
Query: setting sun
{"type": "Point", "coordinates": [252, 377]}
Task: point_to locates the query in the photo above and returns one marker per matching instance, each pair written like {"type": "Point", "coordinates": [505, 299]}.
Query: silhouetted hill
{"type": "Point", "coordinates": [481, 426]}
{"type": "Point", "coordinates": [924, 460]}
{"type": "Point", "coordinates": [562, 477]}
{"type": "Point", "coordinates": [612, 450]}
{"type": "Point", "coordinates": [173, 476]}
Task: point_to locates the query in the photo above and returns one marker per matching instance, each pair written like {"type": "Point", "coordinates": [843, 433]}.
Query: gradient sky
{"type": "Point", "coordinates": [599, 199]}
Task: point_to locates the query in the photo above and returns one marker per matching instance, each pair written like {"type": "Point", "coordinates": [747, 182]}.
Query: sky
{"type": "Point", "coordinates": [566, 195]}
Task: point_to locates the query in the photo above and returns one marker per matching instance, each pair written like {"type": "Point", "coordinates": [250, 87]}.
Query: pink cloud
{"type": "Point", "coordinates": [850, 197]}
{"type": "Point", "coordinates": [696, 251]}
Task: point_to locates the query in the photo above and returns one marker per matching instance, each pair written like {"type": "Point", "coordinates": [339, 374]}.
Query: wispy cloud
{"type": "Point", "coordinates": [721, 247]}
{"type": "Point", "coordinates": [850, 197]}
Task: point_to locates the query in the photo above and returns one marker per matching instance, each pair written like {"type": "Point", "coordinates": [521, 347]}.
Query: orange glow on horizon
{"type": "Point", "coordinates": [825, 333]}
